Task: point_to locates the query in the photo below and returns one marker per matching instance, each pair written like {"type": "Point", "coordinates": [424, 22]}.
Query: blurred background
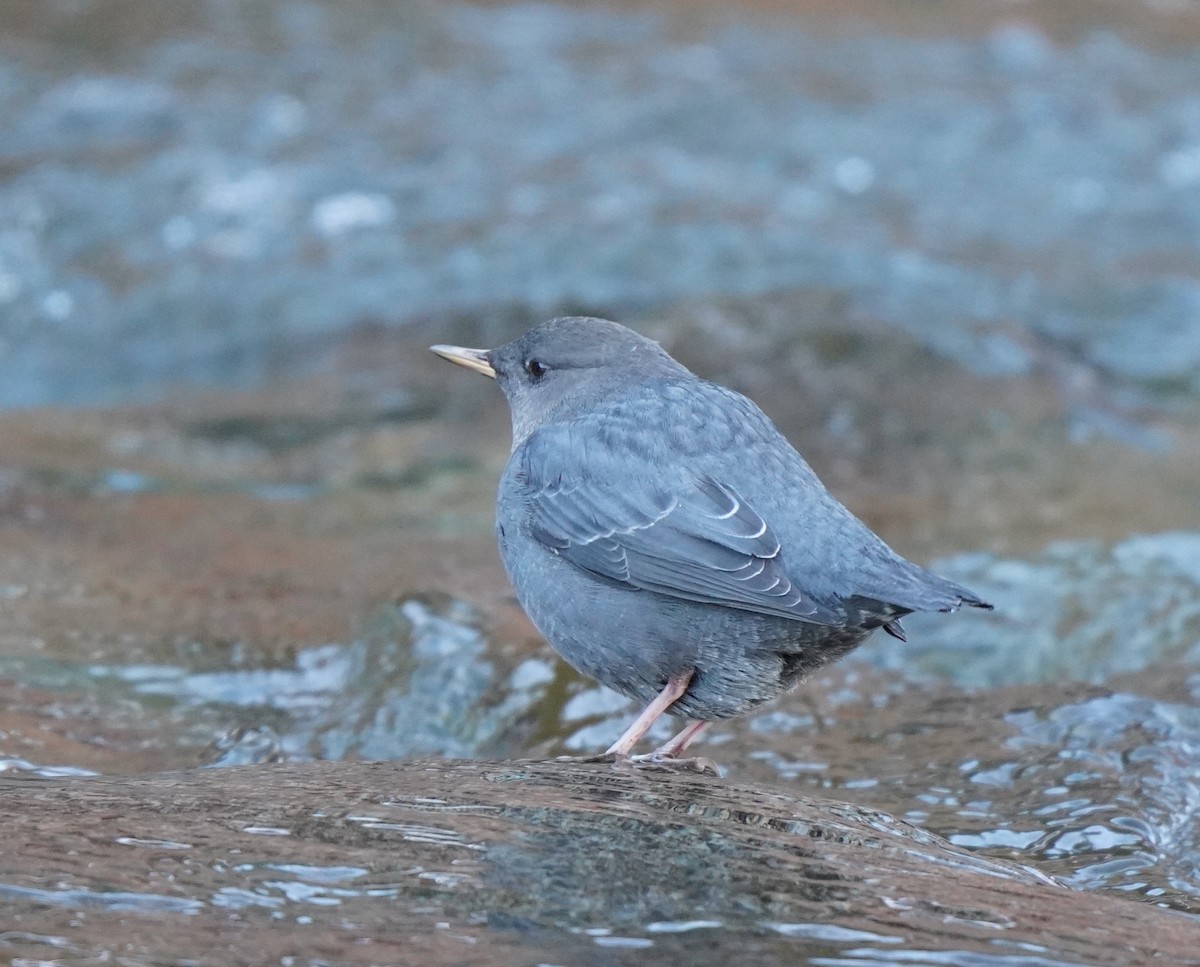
{"type": "Point", "coordinates": [953, 249]}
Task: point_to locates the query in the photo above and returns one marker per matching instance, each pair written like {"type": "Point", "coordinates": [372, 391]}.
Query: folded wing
{"type": "Point", "coordinates": [697, 540]}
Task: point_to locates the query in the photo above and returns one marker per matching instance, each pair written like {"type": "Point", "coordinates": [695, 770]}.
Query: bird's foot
{"type": "Point", "coordinates": [656, 761]}
{"type": "Point", "coordinates": [651, 762]}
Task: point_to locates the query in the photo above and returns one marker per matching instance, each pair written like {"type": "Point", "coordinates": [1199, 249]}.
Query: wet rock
{"type": "Point", "coordinates": [467, 862]}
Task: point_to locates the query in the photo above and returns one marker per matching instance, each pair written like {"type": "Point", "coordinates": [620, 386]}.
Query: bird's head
{"type": "Point", "coordinates": [563, 367]}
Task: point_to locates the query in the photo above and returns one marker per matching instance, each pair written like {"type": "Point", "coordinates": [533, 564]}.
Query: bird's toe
{"type": "Point", "coordinates": [654, 761]}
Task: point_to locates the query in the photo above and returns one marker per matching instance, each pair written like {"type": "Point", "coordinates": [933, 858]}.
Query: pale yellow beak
{"type": "Point", "coordinates": [475, 359]}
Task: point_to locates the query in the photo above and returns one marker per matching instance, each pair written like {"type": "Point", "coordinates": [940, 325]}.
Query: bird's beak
{"type": "Point", "coordinates": [475, 359]}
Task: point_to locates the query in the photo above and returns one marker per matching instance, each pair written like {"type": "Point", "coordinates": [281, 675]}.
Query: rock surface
{"type": "Point", "coordinates": [442, 862]}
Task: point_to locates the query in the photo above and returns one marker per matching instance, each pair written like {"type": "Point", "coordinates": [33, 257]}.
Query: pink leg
{"type": "Point", "coordinates": [676, 747]}
{"type": "Point", "coordinates": [676, 686]}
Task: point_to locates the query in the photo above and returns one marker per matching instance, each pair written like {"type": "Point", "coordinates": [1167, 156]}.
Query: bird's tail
{"type": "Point", "coordinates": [909, 588]}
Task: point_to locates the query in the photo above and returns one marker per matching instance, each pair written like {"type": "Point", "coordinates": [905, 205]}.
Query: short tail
{"type": "Point", "coordinates": [962, 597]}
{"type": "Point", "coordinates": [915, 589]}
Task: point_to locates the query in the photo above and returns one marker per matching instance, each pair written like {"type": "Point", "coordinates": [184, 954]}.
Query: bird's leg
{"type": "Point", "coordinates": [676, 686]}
{"type": "Point", "coordinates": [619, 750]}
{"type": "Point", "coordinates": [674, 748]}
{"type": "Point", "coordinates": [665, 757]}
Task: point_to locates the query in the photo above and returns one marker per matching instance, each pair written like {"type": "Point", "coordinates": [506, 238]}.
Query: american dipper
{"type": "Point", "coordinates": [668, 541]}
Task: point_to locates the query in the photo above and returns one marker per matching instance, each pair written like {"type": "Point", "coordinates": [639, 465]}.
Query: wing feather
{"type": "Point", "coordinates": [697, 540]}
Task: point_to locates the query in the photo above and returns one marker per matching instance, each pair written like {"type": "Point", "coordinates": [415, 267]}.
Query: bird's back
{"type": "Point", "coordinates": [669, 433]}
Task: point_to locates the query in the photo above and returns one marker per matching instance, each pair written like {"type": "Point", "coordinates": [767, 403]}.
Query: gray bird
{"type": "Point", "coordinates": [668, 541]}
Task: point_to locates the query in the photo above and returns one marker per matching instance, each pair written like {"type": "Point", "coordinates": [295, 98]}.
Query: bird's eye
{"type": "Point", "coordinates": [535, 368]}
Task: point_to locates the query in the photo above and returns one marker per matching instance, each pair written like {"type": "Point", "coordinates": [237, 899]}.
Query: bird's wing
{"type": "Point", "coordinates": [696, 540]}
